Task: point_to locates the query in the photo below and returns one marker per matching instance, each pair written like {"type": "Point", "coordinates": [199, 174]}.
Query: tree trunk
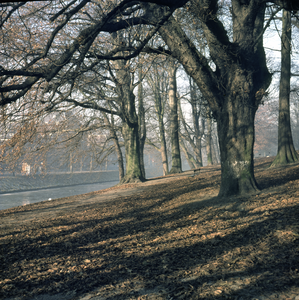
{"type": "Point", "coordinates": [120, 160]}
{"type": "Point", "coordinates": [176, 164]}
{"type": "Point", "coordinates": [117, 147]}
{"type": "Point", "coordinates": [195, 105]}
{"type": "Point", "coordinates": [209, 141]}
{"type": "Point", "coordinates": [159, 107]}
{"type": "Point", "coordinates": [158, 86]}
{"type": "Point", "coordinates": [163, 149]}
{"type": "Point", "coordinates": [141, 121]}
{"type": "Point", "coordinates": [215, 152]}
{"type": "Point", "coordinates": [286, 151]}
{"type": "Point", "coordinates": [190, 159]}
{"type": "Point", "coordinates": [236, 136]}
{"type": "Point", "coordinates": [195, 135]}
{"type": "Point", "coordinates": [133, 169]}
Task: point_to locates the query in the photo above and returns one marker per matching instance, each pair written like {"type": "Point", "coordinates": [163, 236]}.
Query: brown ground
{"type": "Point", "coordinates": [168, 238]}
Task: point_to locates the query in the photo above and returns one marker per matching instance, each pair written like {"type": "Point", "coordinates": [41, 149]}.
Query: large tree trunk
{"type": "Point", "coordinates": [133, 169]}
{"type": "Point", "coordinates": [286, 151]}
{"type": "Point", "coordinates": [176, 164]}
{"type": "Point", "coordinates": [236, 140]}
{"type": "Point", "coordinates": [130, 131]}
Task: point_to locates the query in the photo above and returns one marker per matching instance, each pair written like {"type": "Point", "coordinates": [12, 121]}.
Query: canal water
{"type": "Point", "coordinates": [13, 199]}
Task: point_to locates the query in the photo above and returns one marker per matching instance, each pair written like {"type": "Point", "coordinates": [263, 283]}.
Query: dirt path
{"type": "Point", "coordinates": [168, 238]}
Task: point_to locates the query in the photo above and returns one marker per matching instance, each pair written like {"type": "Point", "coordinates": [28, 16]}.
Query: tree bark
{"type": "Point", "coordinates": [176, 164]}
{"type": "Point", "coordinates": [141, 121]}
{"type": "Point", "coordinates": [194, 137]}
{"type": "Point", "coordinates": [209, 141]}
{"type": "Point", "coordinates": [158, 84]}
{"type": "Point", "coordinates": [130, 132]}
{"type": "Point", "coordinates": [215, 149]}
{"type": "Point", "coordinates": [163, 148]}
{"type": "Point", "coordinates": [131, 138]}
{"type": "Point", "coordinates": [236, 139]}
{"type": "Point", "coordinates": [286, 152]}
{"type": "Point", "coordinates": [198, 132]}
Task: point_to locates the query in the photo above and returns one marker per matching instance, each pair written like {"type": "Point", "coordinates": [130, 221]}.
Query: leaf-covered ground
{"type": "Point", "coordinates": [169, 238]}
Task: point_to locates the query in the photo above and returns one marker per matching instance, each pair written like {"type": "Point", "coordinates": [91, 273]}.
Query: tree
{"type": "Point", "coordinates": [236, 86]}
{"type": "Point", "coordinates": [121, 103]}
{"type": "Point", "coordinates": [209, 146]}
{"type": "Point", "coordinates": [176, 163]}
{"type": "Point", "coordinates": [157, 80]}
{"type": "Point", "coordinates": [115, 139]}
{"type": "Point", "coordinates": [141, 119]}
{"type": "Point", "coordinates": [286, 152]}
{"type": "Point", "coordinates": [194, 134]}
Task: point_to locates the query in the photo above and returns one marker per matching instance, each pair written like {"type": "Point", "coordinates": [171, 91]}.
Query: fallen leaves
{"type": "Point", "coordinates": [175, 240]}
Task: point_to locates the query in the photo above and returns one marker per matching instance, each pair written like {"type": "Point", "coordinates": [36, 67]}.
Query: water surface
{"type": "Point", "coordinates": [13, 199]}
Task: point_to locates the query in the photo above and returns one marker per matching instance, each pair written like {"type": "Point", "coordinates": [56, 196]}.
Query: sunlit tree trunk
{"type": "Point", "coordinates": [163, 148]}
{"type": "Point", "coordinates": [193, 137]}
{"type": "Point", "coordinates": [117, 147]}
{"type": "Point", "coordinates": [286, 151]}
{"type": "Point", "coordinates": [141, 121]}
{"type": "Point", "coordinates": [157, 81]}
{"type": "Point", "coordinates": [190, 159]}
{"type": "Point", "coordinates": [198, 132]}
{"type": "Point", "coordinates": [130, 132]}
{"type": "Point", "coordinates": [132, 148]}
{"type": "Point", "coordinates": [176, 164]}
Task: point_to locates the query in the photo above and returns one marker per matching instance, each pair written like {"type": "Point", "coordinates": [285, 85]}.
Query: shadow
{"type": "Point", "coordinates": [155, 243]}
{"type": "Point", "coordinates": [279, 176]}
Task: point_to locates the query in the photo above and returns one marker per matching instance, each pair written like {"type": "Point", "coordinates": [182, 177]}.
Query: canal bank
{"type": "Point", "coordinates": [32, 182]}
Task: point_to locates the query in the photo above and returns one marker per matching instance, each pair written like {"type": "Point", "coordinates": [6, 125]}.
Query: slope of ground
{"type": "Point", "coordinates": [170, 238]}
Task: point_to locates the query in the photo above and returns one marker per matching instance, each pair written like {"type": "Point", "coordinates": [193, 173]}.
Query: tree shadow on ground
{"type": "Point", "coordinates": [174, 240]}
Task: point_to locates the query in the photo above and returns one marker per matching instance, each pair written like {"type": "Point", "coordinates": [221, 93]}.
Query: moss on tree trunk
{"type": "Point", "coordinates": [133, 168]}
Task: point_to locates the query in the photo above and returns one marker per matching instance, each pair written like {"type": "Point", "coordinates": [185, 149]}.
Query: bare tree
{"type": "Point", "coordinates": [176, 163]}
{"type": "Point", "coordinates": [233, 79]}
{"type": "Point", "coordinates": [286, 152]}
{"type": "Point", "coordinates": [157, 80]}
